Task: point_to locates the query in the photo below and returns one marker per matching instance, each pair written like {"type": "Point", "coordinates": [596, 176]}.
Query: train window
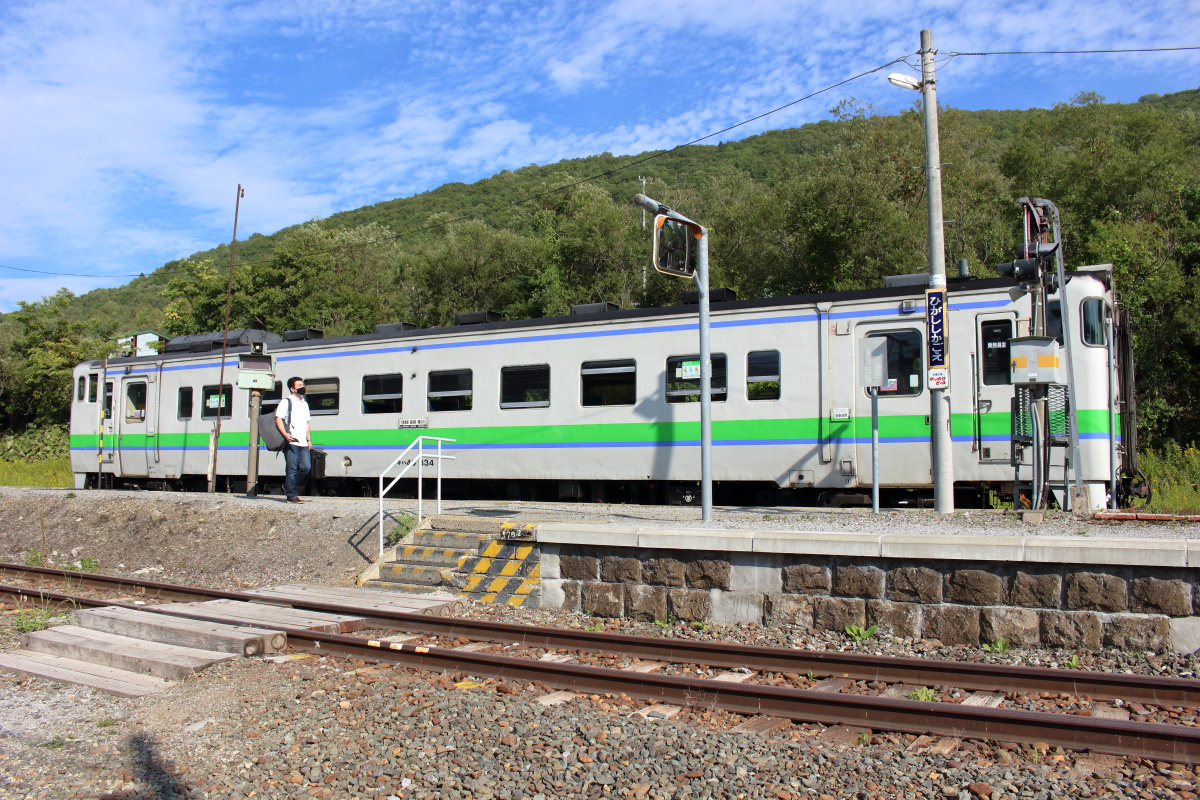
{"type": "Point", "coordinates": [904, 361]}
{"type": "Point", "coordinates": [1092, 314]}
{"type": "Point", "coordinates": [383, 394]}
{"type": "Point", "coordinates": [323, 396]}
{"type": "Point", "coordinates": [135, 402]}
{"type": "Point", "coordinates": [608, 383]}
{"type": "Point", "coordinates": [211, 398]}
{"type": "Point", "coordinates": [184, 410]}
{"type": "Point", "coordinates": [108, 399]}
{"type": "Point", "coordinates": [270, 399]}
{"type": "Point", "coordinates": [762, 375]}
{"type": "Point", "coordinates": [450, 390]}
{"type": "Point", "coordinates": [683, 379]}
{"type": "Point", "coordinates": [93, 382]}
{"type": "Point", "coordinates": [82, 389]}
{"type": "Point", "coordinates": [1054, 320]}
{"type": "Point", "coordinates": [993, 340]}
{"type": "Point", "coordinates": [525, 387]}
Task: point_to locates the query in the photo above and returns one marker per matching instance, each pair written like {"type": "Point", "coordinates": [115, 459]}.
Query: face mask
{"type": "Point", "coordinates": [301, 391]}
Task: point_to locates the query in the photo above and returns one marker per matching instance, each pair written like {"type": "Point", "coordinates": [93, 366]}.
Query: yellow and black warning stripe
{"type": "Point", "coordinates": [504, 573]}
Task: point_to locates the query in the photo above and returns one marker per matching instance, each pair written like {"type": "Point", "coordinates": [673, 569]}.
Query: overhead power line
{"type": "Point", "coordinates": [1073, 52]}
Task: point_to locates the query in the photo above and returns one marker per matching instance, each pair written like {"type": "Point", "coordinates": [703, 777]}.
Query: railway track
{"type": "Point", "coordinates": [435, 650]}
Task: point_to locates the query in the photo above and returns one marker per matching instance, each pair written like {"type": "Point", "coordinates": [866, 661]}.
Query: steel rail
{"type": "Point", "coordinates": [1174, 743]}
{"type": "Point", "coordinates": [1156, 690]}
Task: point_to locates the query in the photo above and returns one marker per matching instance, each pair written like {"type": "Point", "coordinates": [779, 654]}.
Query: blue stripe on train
{"type": "Point", "coordinates": [590, 334]}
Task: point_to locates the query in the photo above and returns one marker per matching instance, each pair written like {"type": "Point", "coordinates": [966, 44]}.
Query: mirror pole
{"type": "Point", "coordinates": [706, 498]}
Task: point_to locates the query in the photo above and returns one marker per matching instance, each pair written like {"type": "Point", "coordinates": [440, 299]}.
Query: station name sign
{"type": "Point", "coordinates": [938, 369]}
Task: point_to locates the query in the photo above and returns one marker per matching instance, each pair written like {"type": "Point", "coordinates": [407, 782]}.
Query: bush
{"type": "Point", "coordinates": [1174, 474]}
{"type": "Point", "coordinates": [35, 443]}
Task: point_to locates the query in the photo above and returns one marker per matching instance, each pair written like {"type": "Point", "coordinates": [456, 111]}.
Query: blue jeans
{"type": "Point", "coordinates": [299, 462]}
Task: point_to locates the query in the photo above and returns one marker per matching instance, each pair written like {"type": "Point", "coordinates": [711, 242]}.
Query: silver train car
{"type": "Point", "coordinates": [604, 406]}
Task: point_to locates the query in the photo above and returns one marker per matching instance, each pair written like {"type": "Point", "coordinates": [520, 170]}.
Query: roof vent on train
{"type": "Point", "coordinates": [916, 279]}
{"type": "Point", "coordinates": [303, 334]}
{"type": "Point", "coordinates": [205, 342]}
{"type": "Point", "coordinates": [593, 308]}
{"type": "Point", "coordinates": [477, 317]}
{"type": "Point", "coordinates": [395, 327]}
{"type": "Point", "coordinates": [691, 297]}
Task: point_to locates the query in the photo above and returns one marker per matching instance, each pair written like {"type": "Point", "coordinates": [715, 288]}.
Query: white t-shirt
{"type": "Point", "coordinates": [298, 422]}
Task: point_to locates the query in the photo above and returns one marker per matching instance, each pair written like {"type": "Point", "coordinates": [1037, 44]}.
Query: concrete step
{"type": "Point", "coordinates": [457, 540]}
{"type": "Point", "coordinates": [84, 673]}
{"type": "Point", "coordinates": [199, 634]}
{"type": "Point", "coordinates": [398, 586]}
{"type": "Point", "coordinates": [167, 661]}
{"type": "Point", "coordinates": [418, 574]}
{"type": "Point", "coordinates": [460, 523]}
{"type": "Point", "coordinates": [450, 557]}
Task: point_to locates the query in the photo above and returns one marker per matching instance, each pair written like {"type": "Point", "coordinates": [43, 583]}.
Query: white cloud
{"type": "Point", "coordinates": [127, 125]}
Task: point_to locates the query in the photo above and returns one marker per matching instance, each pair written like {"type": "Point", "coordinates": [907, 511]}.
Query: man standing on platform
{"type": "Point", "coordinates": [294, 424]}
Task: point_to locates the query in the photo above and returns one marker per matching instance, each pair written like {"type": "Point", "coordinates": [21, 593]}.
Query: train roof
{"type": "Point", "coordinates": [954, 285]}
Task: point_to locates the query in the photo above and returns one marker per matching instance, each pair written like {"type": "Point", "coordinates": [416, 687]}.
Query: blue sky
{"type": "Point", "coordinates": [125, 126]}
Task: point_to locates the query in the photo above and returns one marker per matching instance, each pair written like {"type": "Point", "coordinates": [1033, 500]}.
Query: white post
{"type": "Point", "coordinates": [439, 477]}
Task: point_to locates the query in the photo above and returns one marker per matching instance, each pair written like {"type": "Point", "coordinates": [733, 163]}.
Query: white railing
{"type": "Point", "coordinates": [419, 461]}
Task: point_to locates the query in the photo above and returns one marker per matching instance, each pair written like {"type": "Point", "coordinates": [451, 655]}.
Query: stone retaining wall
{"type": "Point", "coordinates": [955, 600]}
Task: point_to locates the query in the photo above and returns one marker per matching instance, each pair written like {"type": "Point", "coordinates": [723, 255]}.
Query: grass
{"type": "Point", "coordinates": [54, 473]}
{"type": "Point", "coordinates": [1174, 474]}
{"type": "Point", "coordinates": [30, 620]}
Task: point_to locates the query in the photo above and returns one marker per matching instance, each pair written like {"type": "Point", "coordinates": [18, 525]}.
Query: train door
{"type": "Point", "coordinates": [905, 454]}
{"type": "Point", "coordinates": [991, 389]}
{"type": "Point", "coordinates": [136, 436]}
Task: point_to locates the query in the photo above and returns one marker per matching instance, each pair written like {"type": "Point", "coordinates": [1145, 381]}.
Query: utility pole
{"type": "Point", "coordinates": [644, 270]}
{"type": "Point", "coordinates": [214, 444]}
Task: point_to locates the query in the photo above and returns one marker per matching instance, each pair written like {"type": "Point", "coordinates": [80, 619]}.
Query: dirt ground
{"type": "Point", "coordinates": [207, 540]}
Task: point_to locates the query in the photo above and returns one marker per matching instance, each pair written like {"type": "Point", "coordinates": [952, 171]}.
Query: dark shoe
{"type": "Point", "coordinates": [294, 500]}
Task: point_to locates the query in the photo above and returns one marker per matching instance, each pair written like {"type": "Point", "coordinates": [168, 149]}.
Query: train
{"type": "Point", "coordinates": [602, 405]}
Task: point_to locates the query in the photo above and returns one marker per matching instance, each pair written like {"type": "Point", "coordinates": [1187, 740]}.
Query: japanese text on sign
{"type": "Point", "coordinates": [935, 325]}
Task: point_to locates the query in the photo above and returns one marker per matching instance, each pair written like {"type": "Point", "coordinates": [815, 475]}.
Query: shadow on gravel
{"type": "Point", "coordinates": [155, 778]}
{"type": "Point", "coordinates": [367, 535]}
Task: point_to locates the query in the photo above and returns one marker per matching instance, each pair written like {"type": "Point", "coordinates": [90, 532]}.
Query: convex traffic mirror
{"type": "Point", "coordinates": [675, 248]}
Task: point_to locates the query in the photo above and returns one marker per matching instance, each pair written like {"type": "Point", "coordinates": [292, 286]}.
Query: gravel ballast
{"type": "Point", "coordinates": [313, 727]}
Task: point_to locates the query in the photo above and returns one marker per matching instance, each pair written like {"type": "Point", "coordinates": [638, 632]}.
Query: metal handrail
{"type": "Point", "coordinates": [418, 443]}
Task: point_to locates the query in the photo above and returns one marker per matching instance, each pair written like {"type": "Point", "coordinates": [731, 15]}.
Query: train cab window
{"type": "Point", "coordinates": [683, 379]}
{"type": "Point", "coordinates": [82, 389]}
{"type": "Point", "coordinates": [762, 375]}
{"type": "Point", "coordinates": [93, 382]}
{"type": "Point", "coordinates": [323, 396]}
{"type": "Point", "coordinates": [1054, 320]}
{"type": "Point", "coordinates": [525, 387]}
{"type": "Point", "coordinates": [383, 394]}
{"type": "Point", "coordinates": [108, 399]}
{"type": "Point", "coordinates": [135, 402]}
{"type": "Point", "coordinates": [608, 383]}
{"type": "Point", "coordinates": [904, 363]}
{"type": "Point", "coordinates": [450, 390]}
{"type": "Point", "coordinates": [212, 398]}
{"type": "Point", "coordinates": [1091, 313]}
{"type": "Point", "coordinates": [993, 341]}
{"type": "Point", "coordinates": [184, 409]}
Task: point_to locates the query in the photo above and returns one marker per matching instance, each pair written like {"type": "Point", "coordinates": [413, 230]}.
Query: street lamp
{"type": "Point", "coordinates": [935, 298]}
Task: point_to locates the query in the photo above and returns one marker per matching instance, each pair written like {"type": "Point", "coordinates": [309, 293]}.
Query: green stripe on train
{"type": "Point", "coordinates": [908, 426]}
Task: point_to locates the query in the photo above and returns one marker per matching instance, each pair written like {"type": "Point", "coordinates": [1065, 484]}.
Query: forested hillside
{"type": "Point", "coordinates": [832, 205]}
